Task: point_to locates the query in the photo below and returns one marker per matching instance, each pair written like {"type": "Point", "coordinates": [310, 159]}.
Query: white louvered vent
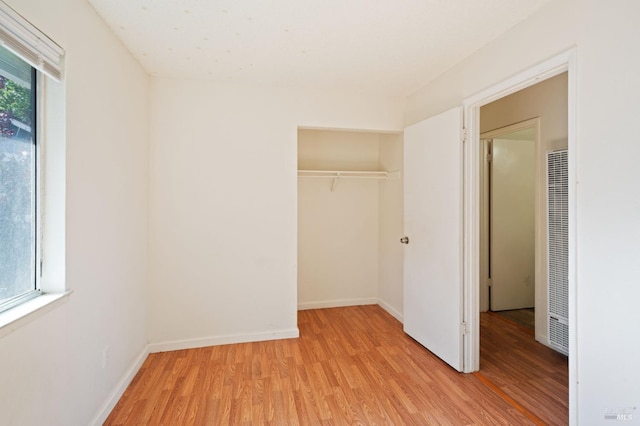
{"type": "Point", "coordinates": [559, 334]}
{"type": "Point", "coordinates": [558, 253]}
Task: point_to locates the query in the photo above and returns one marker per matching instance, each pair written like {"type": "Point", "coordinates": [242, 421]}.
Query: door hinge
{"type": "Point", "coordinates": [464, 327]}
{"type": "Point", "coordinates": [489, 282]}
{"type": "Point", "coordinates": [464, 134]}
{"type": "Point", "coordinates": [489, 158]}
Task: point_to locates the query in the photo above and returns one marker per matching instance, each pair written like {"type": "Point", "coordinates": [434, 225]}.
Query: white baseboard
{"type": "Point", "coordinates": [176, 345]}
{"type": "Point", "coordinates": [337, 303]}
{"type": "Point", "coordinates": [352, 302]}
{"type": "Point", "coordinates": [394, 312]}
{"type": "Point", "coordinates": [121, 386]}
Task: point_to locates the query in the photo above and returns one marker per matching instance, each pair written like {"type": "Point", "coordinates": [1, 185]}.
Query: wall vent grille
{"type": "Point", "coordinates": [559, 335]}
{"type": "Point", "coordinates": [558, 250]}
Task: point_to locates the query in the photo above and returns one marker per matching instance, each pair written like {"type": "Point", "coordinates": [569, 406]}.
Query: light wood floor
{"type": "Point", "coordinates": [532, 374]}
{"type": "Point", "coordinates": [350, 366]}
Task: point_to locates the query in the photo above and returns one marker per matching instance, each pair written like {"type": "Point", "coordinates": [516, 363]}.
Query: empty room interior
{"type": "Point", "coordinates": [319, 212]}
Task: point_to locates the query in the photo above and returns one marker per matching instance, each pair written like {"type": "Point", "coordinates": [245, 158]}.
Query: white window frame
{"type": "Point", "coordinates": [33, 46]}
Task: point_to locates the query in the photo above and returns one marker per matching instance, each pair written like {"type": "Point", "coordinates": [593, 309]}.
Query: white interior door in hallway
{"type": "Point", "coordinates": [512, 220]}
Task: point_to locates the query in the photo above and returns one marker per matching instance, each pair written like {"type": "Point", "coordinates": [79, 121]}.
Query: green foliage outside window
{"type": "Point", "coordinates": [15, 103]}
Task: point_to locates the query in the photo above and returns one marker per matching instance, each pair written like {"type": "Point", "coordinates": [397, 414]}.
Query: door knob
{"type": "Point", "coordinates": [404, 240]}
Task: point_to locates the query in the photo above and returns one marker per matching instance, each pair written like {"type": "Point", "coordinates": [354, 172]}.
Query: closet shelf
{"type": "Point", "coordinates": [353, 174]}
{"type": "Point", "coordinates": [347, 174]}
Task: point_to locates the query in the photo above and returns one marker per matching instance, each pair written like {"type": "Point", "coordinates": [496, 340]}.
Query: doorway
{"type": "Point", "coordinates": [538, 112]}
{"type": "Point", "coordinates": [490, 117]}
{"type": "Point", "coordinates": [561, 63]}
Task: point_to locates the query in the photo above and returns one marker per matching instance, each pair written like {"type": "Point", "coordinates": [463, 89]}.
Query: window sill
{"type": "Point", "coordinates": [23, 314]}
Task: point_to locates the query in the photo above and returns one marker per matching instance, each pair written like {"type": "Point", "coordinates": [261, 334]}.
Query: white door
{"type": "Point", "coordinates": [433, 224]}
{"type": "Point", "coordinates": [513, 223]}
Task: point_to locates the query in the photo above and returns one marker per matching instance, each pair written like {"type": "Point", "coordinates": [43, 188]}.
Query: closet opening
{"type": "Point", "coordinates": [350, 213]}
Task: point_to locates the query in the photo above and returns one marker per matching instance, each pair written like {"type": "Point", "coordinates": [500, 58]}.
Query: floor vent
{"type": "Point", "coordinates": [558, 253]}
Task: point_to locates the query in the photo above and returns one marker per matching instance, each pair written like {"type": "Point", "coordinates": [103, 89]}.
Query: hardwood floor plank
{"type": "Point", "coordinates": [350, 365]}
{"type": "Point", "coordinates": [341, 413]}
{"type": "Point", "coordinates": [158, 407]}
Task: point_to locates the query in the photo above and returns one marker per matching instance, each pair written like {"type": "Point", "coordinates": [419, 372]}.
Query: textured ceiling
{"type": "Point", "coordinates": [389, 47]}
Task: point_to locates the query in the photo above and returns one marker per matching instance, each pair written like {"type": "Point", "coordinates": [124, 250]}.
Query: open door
{"type": "Point", "coordinates": [433, 226]}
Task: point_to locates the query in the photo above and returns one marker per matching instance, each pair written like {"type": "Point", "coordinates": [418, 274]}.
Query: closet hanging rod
{"type": "Point", "coordinates": [338, 175]}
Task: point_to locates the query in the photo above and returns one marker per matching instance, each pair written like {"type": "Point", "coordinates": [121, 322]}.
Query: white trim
{"type": "Point", "coordinates": [391, 310]}
{"type": "Point", "coordinates": [201, 342]}
{"type": "Point", "coordinates": [23, 314]}
{"type": "Point", "coordinates": [352, 302]}
{"type": "Point", "coordinates": [338, 303]}
{"type": "Point", "coordinates": [511, 128]}
{"type": "Point", "coordinates": [543, 71]}
{"type": "Point", "coordinates": [572, 106]}
{"type": "Point", "coordinates": [120, 388]}
{"type": "Point", "coordinates": [565, 61]}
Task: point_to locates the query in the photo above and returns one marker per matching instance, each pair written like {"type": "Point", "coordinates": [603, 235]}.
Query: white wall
{"type": "Point", "coordinates": [51, 368]}
{"type": "Point", "coordinates": [391, 226]}
{"type": "Point", "coordinates": [547, 101]}
{"type": "Point", "coordinates": [606, 34]}
{"type": "Point", "coordinates": [337, 230]}
{"type": "Point", "coordinates": [223, 204]}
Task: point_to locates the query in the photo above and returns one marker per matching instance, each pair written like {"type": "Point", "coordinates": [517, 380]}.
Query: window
{"type": "Point", "coordinates": [18, 181]}
{"type": "Point", "coordinates": [28, 60]}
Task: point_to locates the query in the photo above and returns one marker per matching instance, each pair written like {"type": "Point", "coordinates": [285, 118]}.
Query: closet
{"type": "Point", "coordinates": [349, 219]}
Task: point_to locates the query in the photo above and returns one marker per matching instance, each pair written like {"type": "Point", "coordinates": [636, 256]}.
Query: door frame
{"type": "Point", "coordinates": [564, 62]}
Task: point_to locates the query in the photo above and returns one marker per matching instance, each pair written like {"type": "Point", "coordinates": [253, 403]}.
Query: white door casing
{"type": "Point", "coordinates": [433, 297]}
